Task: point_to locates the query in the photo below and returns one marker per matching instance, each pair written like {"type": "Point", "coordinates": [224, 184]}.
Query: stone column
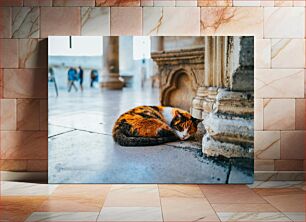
{"type": "Point", "coordinates": [215, 73]}
{"type": "Point", "coordinates": [110, 76]}
{"type": "Point", "coordinates": [228, 107]}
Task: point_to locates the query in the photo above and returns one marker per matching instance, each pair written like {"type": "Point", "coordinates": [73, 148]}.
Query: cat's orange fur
{"type": "Point", "coordinates": [152, 125]}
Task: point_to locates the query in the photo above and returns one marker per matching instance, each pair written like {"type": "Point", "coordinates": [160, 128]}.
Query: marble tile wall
{"type": "Point", "coordinates": [278, 25]}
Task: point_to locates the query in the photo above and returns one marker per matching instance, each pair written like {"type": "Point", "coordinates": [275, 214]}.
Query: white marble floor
{"type": "Point", "coordinates": [97, 202]}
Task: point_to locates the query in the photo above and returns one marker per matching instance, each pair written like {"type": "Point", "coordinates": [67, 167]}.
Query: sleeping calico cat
{"type": "Point", "coordinates": [153, 125]}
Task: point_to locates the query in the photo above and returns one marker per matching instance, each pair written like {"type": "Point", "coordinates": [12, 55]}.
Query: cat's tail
{"type": "Point", "coordinates": [124, 140]}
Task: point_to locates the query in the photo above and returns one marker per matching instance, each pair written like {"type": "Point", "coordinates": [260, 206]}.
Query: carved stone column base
{"type": "Point", "coordinates": [214, 148]}
{"type": "Point", "coordinates": [229, 126]}
{"type": "Point", "coordinates": [209, 100]}
{"type": "Point", "coordinates": [111, 81]}
{"type": "Point", "coordinates": [197, 103]}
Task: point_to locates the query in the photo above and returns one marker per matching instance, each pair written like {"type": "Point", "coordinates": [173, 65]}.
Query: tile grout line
{"type": "Point", "coordinates": [161, 208]}
{"type": "Point", "coordinates": [209, 203]}
{"type": "Point", "coordinates": [104, 202]}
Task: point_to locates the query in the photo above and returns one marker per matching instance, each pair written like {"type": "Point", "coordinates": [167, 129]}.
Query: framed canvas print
{"type": "Point", "coordinates": [140, 109]}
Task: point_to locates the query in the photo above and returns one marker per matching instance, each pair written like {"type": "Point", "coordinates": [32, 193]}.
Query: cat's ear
{"type": "Point", "coordinates": [178, 114]}
{"type": "Point", "coordinates": [196, 121]}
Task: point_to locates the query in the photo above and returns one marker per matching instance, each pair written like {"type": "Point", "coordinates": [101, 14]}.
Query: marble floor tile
{"type": "Point", "coordinates": [116, 3]}
{"type": "Point", "coordinates": [277, 184]}
{"type": "Point", "coordinates": [295, 216]}
{"type": "Point", "coordinates": [282, 49]}
{"type": "Point", "coordinates": [17, 145]}
{"type": "Point", "coordinates": [266, 192]}
{"type": "Point", "coordinates": [25, 22]}
{"type": "Point", "coordinates": [71, 204]}
{"type": "Point", "coordinates": [232, 21]}
{"type": "Point", "coordinates": [282, 3]}
{"type": "Point", "coordinates": [37, 2]}
{"type": "Point", "coordinates": [68, 3]}
{"type": "Point", "coordinates": [9, 54]}
{"type": "Point", "coordinates": [285, 200]}
{"type": "Point", "coordinates": [171, 21]}
{"type": "Point", "coordinates": [299, 3]}
{"type": "Point", "coordinates": [9, 188]}
{"type": "Point", "coordinates": [246, 3]}
{"type": "Point", "coordinates": [263, 53]}
{"type": "Point", "coordinates": [18, 208]}
{"type": "Point", "coordinates": [258, 114]}
{"type": "Point", "coordinates": [270, 83]}
{"type": "Point", "coordinates": [146, 2]}
{"type": "Point", "coordinates": [293, 144]}
{"type": "Point", "coordinates": [230, 194]}
{"type": "Point", "coordinates": [263, 207]}
{"type": "Point", "coordinates": [33, 53]}
{"type": "Point", "coordinates": [91, 191]}
{"type": "Point", "coordinates": [130, 214]}
{"type": "Point", "coordinates": [278, 19]}
{"type": "Point", "coordinates": [279, 114]}
{"type": "Point", "coordinates": [133, 196]}
{"type": "Point", "coordinates": [164, 3]}
{"type": "Point", "coordinates": [186, 3]}
{"type": "Point", "coordinates": [8, 114]}
{"type": "Point", "coordinates": [187, 209]}
{"type": "Point", "coordinates": [263, 165]}
{"type": "Point", "coordinates": [51, 17]}
{"type": "Point", "coordinates": [251, 216]}
{"type": "Point", "coordinates": [173, 190]}
{"type": "Point", "coordinates": [211, 3]}
{"type": "Point", "coordinates": [13, 165]}
{"type": "Point", "coordinates": [5, 22]}
{"type": "Point", "coordinates": [19, 82]}
{"type": "Point", "coordinates": [126, 20]}
{"type": "Point", "coordinates": [267, 3]}
{"type": "Point", "coordinates": [63, 216]}
{"type": "Point", "coordinates": [267, 145]}
{"type": "Point", "coordinates": [95, 21]}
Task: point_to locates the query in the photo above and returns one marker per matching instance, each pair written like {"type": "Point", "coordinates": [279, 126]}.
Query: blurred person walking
{"type": "Point", "coordinates": [143, 73]}
{"type": "Point", "coordinates": [94, 77]}
{"type": "Point", "coordinates": [81, 77]}
{"type": "Point", "coordinates": [51, 78]}
{"type": "Point", "coordinates": [72, 76]}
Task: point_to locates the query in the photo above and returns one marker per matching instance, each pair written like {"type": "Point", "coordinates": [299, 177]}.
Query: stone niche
{"type": "Point", "coordinates": [180, 73]}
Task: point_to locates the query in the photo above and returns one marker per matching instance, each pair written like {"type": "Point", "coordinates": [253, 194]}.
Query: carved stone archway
{"type": "Point", "coordinates": [181, 72]}
{"type": "Point", "coordinates": [181, 85]}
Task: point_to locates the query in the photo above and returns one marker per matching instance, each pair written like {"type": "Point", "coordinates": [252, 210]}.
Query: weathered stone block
{"type": "Point", "coordinates": [211, 147]}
